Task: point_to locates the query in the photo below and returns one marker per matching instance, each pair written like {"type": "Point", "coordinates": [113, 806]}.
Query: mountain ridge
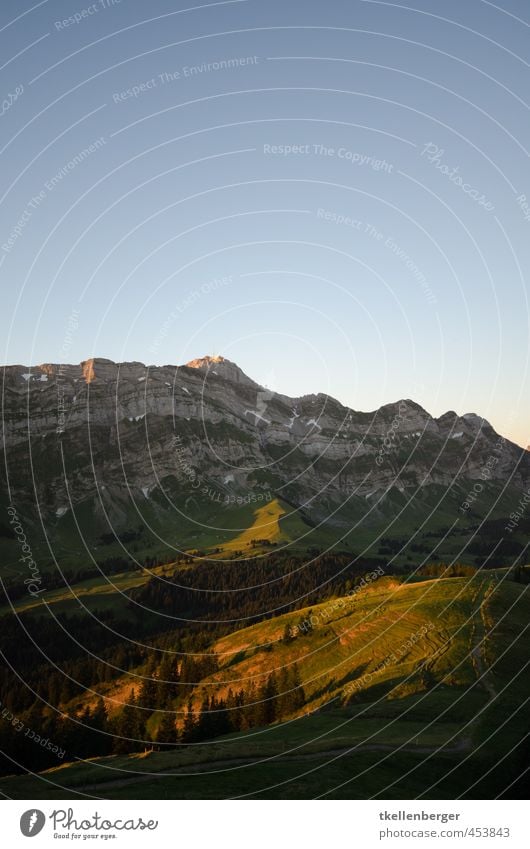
{"type": "Point", "coordinates": [210, 363]}
{"type": "Point", "coordinates": [123, 443]}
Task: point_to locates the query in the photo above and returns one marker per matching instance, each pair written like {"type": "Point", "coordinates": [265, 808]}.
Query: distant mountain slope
{"type": "Point", "coordinates": [111, 447]}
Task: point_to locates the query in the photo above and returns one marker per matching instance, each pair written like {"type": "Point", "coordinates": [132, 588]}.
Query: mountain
{"type": "Point", "coordinates": [104, 448]}
{"type": "Point", "coordinates": [319, 599]}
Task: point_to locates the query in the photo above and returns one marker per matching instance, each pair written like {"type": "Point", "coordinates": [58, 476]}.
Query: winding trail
{"type": "Point", "coordinates": [459, 747]}
{"type": "Point", "coordinates": [481, 631]}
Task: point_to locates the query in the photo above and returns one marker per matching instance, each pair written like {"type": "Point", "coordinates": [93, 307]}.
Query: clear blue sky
{"type": "Point", "coordinates": [327, 193]}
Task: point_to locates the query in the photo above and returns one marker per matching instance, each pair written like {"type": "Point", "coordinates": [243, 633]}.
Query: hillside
{"type": "Point", "coordinates": [411, 690]}
{"type": "Point", "coordinates": [388, 640]}
{"type": "Point", "coordinates": [273, 526]}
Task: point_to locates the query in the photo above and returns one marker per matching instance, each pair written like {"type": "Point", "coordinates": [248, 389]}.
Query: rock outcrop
{"type": "Point", "coordinates": [111, 435]}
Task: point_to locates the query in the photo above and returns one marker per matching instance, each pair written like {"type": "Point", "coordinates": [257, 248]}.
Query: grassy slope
{"type": "Point", "coordinates": [275, 523]}
{"type": "Point", "coordinates": [403, 736]}
{"type": "Point", "coordinates": [193, 523]}
{"type": "Point", "coordinates": [367, 636]}
{"type": "Point", "coordinates": [271, 522]}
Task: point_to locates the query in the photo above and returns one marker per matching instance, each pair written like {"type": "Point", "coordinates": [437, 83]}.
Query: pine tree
{"type": "Point", "coordinates": [251, 711]}
{"type": "Point", "coordinates": [167, 687]}
{"type": "Point", "coordinates": [299, 699]}
{"type": "Point", "coordinates": [222, 723]}
{"type": "Point", "coordinates": [167, 731]}
{"type": "Point", "coordinates": [100, 742]}
{"type": "Point", "coordinates": [268, 698]}
{"type": "Point", "coordinates": [205, 728]}
{"type": "Point", "coordinates": [287, 634]}
{"type": "Point", "coordinates": [129, 727]}
{"type": "Point", "coordinates": [189, 728]}
{"type": "Point", "coordinates": [99, 718]}
{"type": "Point", "coordinates": [147, 696]}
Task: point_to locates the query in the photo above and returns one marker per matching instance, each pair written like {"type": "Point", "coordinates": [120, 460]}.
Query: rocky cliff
{"type": "Point", "coordinates": [114, 438]}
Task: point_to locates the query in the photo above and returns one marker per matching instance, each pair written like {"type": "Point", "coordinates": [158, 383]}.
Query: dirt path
{"type": "Point", "coordinates": [215, 766]}
{"type": "Point", "coordinates": [478, 648]}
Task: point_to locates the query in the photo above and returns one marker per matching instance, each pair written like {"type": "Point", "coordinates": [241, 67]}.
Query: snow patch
{"type": "Point", "coordinates": [43, 378]}
{"type": "Point", "coordinates": [61, 511]}
{"type": "Point", "coordinates": [229, 479]}
{"type": "Point", "coordinates": [27, 376]}
{"type": "Point", "coordinates": [294, 416]}
{"type": "Point", "coordinates": [258, 416]}
{"type": "Point", "coordinates": [145, 490]}
{"type": "Point", "coordinates": [314, 423]}
{"type": "Point", "coordinates": [457, 435]}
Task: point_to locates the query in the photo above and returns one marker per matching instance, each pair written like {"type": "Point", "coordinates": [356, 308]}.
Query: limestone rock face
{"type": "Point", "coordinates": [104, 433]}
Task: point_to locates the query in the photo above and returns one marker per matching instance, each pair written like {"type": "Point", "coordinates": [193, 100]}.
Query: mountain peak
{"type": "Point", "coordinates": [206, 362]}
{"type": "Point", "coordinates": [221, 367]}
